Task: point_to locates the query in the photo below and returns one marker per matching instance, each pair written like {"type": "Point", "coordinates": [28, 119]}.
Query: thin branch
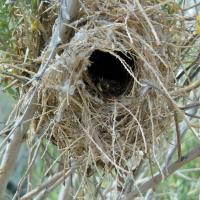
{"type": "Point", "coordinates": [52, 182]}
{"type": "Point", "coordinates": [60, 176]}
{"type": "Point", "coordinates": [29, 107]}
{"type": "Point", "coordinates": [67, 189]}
{"type": "Point", "coordinates": [194, 64]}
{"type": "Point", "coordinates": [193, 116]}
{"type": "Point", "coordinates": [167, 171]}
{"type": "Point", "coordinates": [149, 22]}
{"type": "Point", "coordinates": [183, 130]}
{"type": "Point", "coordinates": [191, 7]}
{"type": "Point", "coordinates": [16, 139]}
{"type": "Point", "coordinates": [187, 88]}
{"type": "Point", "coordinates": [17, 77]}
{"type": "Point", "coordinates": [190, 106]}
{"type": "Point", "coordinates": [21, 182]}
{"type": "Point", "coordinates": [178, 135]}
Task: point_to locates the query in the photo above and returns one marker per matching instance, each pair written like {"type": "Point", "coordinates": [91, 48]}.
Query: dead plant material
{"type": "Point", "coordinates": [94, 99]}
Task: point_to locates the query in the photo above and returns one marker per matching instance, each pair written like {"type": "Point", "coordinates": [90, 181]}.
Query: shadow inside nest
{"type": "Point", "coordinates": [108, 76]}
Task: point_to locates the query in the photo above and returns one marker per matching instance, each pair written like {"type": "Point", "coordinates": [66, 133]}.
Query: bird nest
{"type": "Point", "coordinates": [105, 95]}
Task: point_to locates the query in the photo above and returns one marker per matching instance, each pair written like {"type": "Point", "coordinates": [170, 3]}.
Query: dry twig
{"type": "Point", "coordinates": [167, 171]}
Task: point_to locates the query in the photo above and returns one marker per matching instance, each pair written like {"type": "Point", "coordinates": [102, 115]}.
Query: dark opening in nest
{"type": "Point", "coordinates": [109, 75]}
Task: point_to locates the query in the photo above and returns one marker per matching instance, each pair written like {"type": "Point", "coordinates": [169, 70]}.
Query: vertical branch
{"type": "Point", "coordinates": [66, 192]}
{"type": "Point", "coordinates": [68, 187]}
{"type": "Point", "coordinates": [178, 135]}
{"type": "Point", "coordinates": [69, 10]}
{"type": "Point", "coordinates": [15, 140]}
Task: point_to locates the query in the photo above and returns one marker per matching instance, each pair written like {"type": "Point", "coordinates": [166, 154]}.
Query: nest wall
{"type": "Point", "coordinates": [83, 117]}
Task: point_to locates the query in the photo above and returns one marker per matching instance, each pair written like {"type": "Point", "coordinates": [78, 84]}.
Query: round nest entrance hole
{"type": "Point", "coordinates": [108, 74]}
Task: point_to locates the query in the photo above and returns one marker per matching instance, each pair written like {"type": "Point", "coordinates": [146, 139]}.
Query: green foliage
{"type": "Point", "coordinates": [185, 183]}
{"type": "Point", "coordinates": [34, 5]}
{"type": "Point", "coordinates": [7, 26]}
{"type": "Point", "coordinates": [180, 2]}
{"type": "Point", "coordinates": [8, 22]}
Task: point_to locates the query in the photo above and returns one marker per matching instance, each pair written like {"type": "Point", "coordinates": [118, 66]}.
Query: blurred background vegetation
{"type": "Point", "coordinates": [184, 184]}
{"type": "Point", "coordinates": [7, 42]}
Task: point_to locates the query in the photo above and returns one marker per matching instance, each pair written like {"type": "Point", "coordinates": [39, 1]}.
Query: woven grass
{"type": "Point", "coordinates": [82, 111]}
{"type": "Point", "coordinates": [108, 96]}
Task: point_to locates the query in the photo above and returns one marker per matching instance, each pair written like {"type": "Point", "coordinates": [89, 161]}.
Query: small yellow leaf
{"type": "Point", "coordinates": [34, 25]}
{"type": "Point", "coordinates": [198, 19]}
{"type": "Point", "coordinates": [198, 30]}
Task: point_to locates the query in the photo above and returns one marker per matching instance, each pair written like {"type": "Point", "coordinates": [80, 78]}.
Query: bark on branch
{"type": "Point", "coordinates": [167, 171]}
{"type": "Point", "coordinates": [28, 107]}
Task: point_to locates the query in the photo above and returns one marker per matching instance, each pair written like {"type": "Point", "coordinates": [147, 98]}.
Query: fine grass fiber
{"type": "Point", "coordinates": [106, 95]}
